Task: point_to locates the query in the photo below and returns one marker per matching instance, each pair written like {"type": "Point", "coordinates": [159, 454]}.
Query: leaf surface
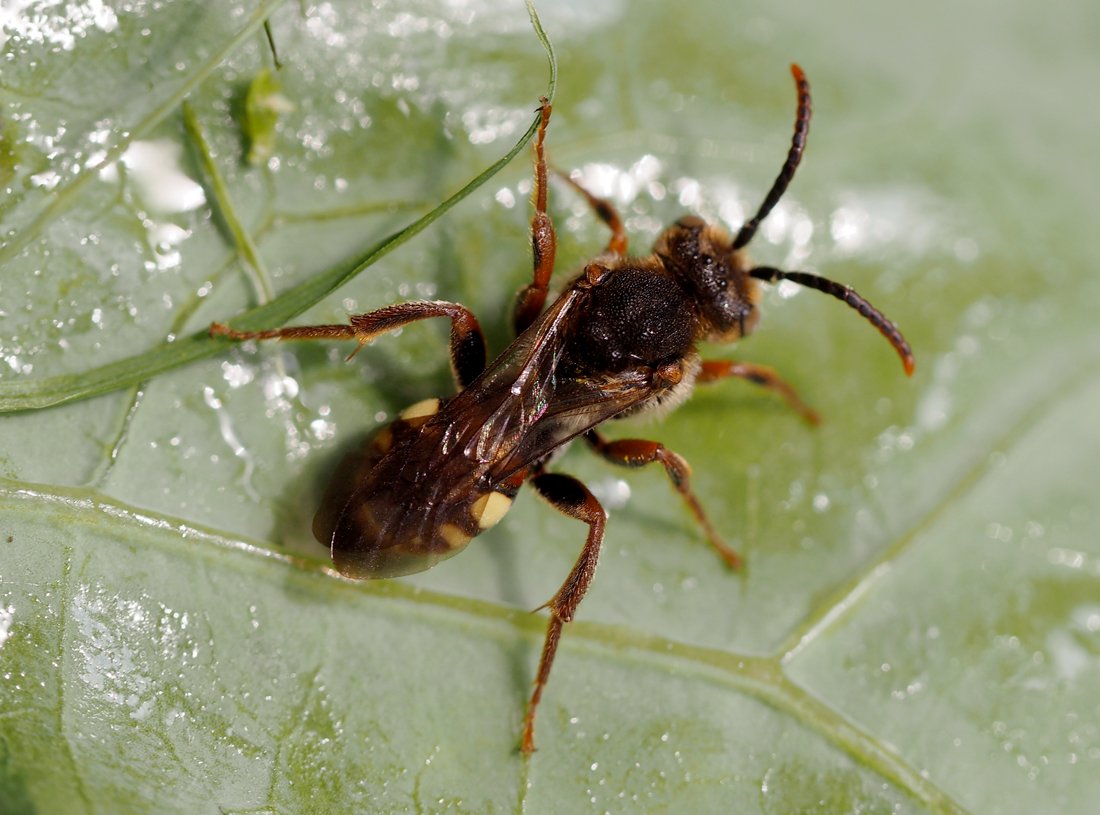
{"type": "Point", "coordinates": [918, 627]}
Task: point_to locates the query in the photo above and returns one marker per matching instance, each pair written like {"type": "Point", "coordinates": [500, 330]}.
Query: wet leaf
{"type": "Point", "coordinates": [918, 627]}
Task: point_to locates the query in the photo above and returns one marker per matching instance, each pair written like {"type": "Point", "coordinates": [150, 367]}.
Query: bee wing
{"type": "Point", "coordinates": [410, 501]}
{"type": "Point", "coordinates": [578, 405]}
{"type": "Point", "coordinates": [490, 418]}
{"type": "Point", "coordinates": [389, 516]}
{"type": "Point", "coordinates": [520, 410]}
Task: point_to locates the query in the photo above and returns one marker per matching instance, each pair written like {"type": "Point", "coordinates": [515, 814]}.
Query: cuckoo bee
{"type": "Point", "coordinates": [620, 340]}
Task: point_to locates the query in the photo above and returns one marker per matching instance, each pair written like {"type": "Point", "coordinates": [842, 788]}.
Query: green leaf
{"type": "Point", "coordinates": [174, 352]}
{"type": "Point", "coordinates": [918, 626]}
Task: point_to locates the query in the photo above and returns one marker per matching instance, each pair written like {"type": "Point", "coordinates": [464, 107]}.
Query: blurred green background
{"type": "Point", "coordinates": [918, 627]}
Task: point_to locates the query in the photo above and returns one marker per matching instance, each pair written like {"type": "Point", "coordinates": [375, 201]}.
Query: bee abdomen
{"type": "Point", "coordinates": [377, 524]}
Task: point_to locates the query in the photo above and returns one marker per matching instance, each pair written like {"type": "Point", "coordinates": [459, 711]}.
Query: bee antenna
{"type": "Point", "coordinates": [794, 156]}
{"type": "Point", "coordinates": [849, 296]}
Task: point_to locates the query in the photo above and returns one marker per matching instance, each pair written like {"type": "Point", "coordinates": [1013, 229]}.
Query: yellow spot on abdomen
{"type": "Point", "coordinates": [454, 535]}
{"type": "Point", "coordinates": [421, 410]}
{"type": "Point", "coordinates": [384, 440]}
{"type": "Point", "coordinates": [490, 508]}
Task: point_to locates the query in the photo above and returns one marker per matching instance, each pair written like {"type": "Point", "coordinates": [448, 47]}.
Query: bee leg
{"type": "Point", "coordinates": [607, 213]}
{"type": "Point", "coordinates": [717, 369]}
{"type": "Point", "coordinates": [544, 242]}
{"type": "Point", "coordinates": [570, 496]}
{"type": "Point", "coordinates": [638, 453]}
{"type": "Point", "coordinates": [467, 341]}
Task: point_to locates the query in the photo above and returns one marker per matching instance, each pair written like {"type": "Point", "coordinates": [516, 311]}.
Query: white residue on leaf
{"type": "Point", "coordinates": [237, 375]}
{"type": "Point", "coordinates": [113, 636]}
{"type": "Point", "coordinates": [281, 392]}
{"type": "Point", "coordinates": [486, 124]}
{"type": "Point", "coordinates": [165, 237]}
{"type": "Point", "coordinates": [624, 186]}
{"type": "Point", "coordinates": [723, 202]}
{"type": "Point", "coordinates": [1069, 657]}
{"type": "Point", "coordinates": [18, 364]}
{"type": "Point", "coordinates": [1086, 618]}
{"type": "Point", "coordinates": [157, 174]}
{"type": "Point", "coordinates": [322, 429]}
{"type": "Point", "coordinates": [869, 220]}
{"type": "Point", "coordinates": [47, 179]}
{"type": "Point", "coordinates": [303, 426]}
{"type": "Point", "coordinates": [230, 437]}
{"type": "Point", "coordinates": [1075, 648]}
{"type": "Point", "coordinates": [7, 616]}
{"type": "Point", "coordinates": [53, 22]}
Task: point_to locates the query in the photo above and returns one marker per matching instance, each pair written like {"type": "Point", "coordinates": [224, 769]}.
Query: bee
{"type": "Point", "coordinates": [620, 340]}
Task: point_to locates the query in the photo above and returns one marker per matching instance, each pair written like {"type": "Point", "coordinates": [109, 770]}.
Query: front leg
{"type": "Point", "coordinates": [467, 341]}
{"type": "Point", "coordinates": [606, 212]}
{"type": "Point", "coordinates": [715, 370]}
{"type": "Point", "coordinates": [544, 243]}
{"type": "Point", "coordinates": [638, 453]}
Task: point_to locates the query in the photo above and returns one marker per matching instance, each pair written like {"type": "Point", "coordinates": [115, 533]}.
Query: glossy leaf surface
{"type": "Point", "coordinates": [918, 628]}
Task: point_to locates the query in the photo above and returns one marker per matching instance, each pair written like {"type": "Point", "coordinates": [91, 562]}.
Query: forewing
{"type": "Point", "coordinates": [409, 490]}
{"type": "Point", "coordinates": [579, 405]}
{"type": "Point", "coordinates": [491, 417]}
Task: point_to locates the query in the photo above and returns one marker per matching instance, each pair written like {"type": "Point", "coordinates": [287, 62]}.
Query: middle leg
{"type": "Point", "coordinates": [638, 453]}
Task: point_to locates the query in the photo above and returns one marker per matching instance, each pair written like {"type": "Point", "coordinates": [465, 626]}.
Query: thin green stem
{"type": "Point", "coordinates": [246, 248]}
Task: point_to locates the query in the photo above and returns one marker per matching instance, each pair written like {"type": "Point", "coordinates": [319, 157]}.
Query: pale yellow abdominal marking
{"type": "Point", "coordinates": [421, 410]}
{"type": "Point", "coordinates": [384, 440]}
{"type": "Point", "coordinates": [453, 535]}
{"type": "Point", "coordinates": [490, 508]}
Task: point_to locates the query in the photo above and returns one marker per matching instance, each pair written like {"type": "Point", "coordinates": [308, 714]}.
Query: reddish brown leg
{"type": "Point", "coordinates": [544, 242]}
{"type": "Point", "coordinates": [718, 369]}
{"type": "Point", "coordinates": [467, 341]}
{"type": "Point", "coordinates": [570, 496]}
{"type": "Point", "coordinates": [608, 214]}
{"type": "Point", "coordinates": [638, 453]}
